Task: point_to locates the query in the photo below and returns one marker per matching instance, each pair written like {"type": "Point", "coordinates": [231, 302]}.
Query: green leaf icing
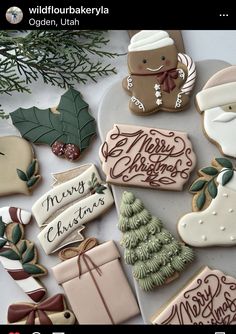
{"type": "Point", "coordinates": [2, 242]}
{"type": "Point", "coordinates": [31, 169]}
{"type": "Point", "coordinates": [209, 170]}
{"type": "Point", "coordinates": [28, 255]}
{"type": "Point", "coordinates": [207, 183]}
{"type": "Point", "coordinates": [227, 176]}
{"type": "Point", "coordinates": [212, 188]}
{"type": "Point", "coordinates": [10, 254]}
{"type": "Point", "coordinates": [22, 248]}
{"type": "Point", "coordinates": [73, 124]}
{"type": "Point", "coordinates": [197, 185]}
{"type": "Point", "coordinates": [16, 234]}
{"type": "Point", "coordinates": [152, 251]}
{"type": "Point", "coordinates": [224, 163]}
{"type": "Point", "coordinates": [201, 200]}
{"type": "Point", "coordinates": [22, 175]}
{"type": "Point", "coordinates": [2, 227]}
{"type": "Point", "coordinates": [33, 269]}
{"type": "Point", "coordinates": [32, 181]}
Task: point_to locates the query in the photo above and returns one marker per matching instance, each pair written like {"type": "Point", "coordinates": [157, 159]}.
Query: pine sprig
{"type": "Point", "coordinates": [60, 58]}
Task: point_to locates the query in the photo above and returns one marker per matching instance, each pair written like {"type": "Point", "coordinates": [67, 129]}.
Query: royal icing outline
{"type": "Point", "coordinates": [133, 155]}
{"type": "Point", "coordinates": [209, 299]}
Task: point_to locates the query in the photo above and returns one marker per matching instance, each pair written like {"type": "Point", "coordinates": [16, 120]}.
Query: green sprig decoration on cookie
{"type": "Point", "coordinates": [95, 186]}
{"type": "Point", "coordinates": [14, 247]}
{"type": "Point", "coordinates": [205, 187]}
{"type": "Point", "coordinates": [153, 252]}
{"type": "Point", "coordinates": [68, 131]}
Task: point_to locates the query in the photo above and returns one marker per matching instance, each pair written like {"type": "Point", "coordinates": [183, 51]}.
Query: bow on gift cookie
{"type": "Point", "coordinates": [50, 311]}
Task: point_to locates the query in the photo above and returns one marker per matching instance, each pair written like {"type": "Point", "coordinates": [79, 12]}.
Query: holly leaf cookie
{"type": "Point", "coordinates": [215, 196]}
{"type": "Point", "coordinates": [68, 132]}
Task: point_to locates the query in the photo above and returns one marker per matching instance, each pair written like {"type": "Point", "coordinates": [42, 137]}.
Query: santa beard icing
{"type": "Point", "coordinates": [220, 126]}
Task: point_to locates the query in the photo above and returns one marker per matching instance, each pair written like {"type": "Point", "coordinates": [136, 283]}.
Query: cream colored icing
{"type": "Point", "coordinates": [18, 154]}
{"type": "Point", "coordinates": [149, 40]}
{"type": "Point", "coordinates": [53, 235]}
{"type": "Point", "coordinates": [215, 226]}
{"type": "Point", "coordinates": [64, 193]}
{"type": "Point", "coordinates": [208, 299]}
{"type": "Point", "coordinates": [220, 126]}
{"type": "Point", "coordinates": [147, 157]}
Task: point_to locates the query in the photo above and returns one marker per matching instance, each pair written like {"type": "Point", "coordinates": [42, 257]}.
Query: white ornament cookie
{"type": "Point", "coordinates": [78, 196]}
{"type": "Point", "coordinates": [18, 168]}
{"type": "Point", "coordinates": [217, 102]}
{"type": "Point", "coordinates": [215, 225]}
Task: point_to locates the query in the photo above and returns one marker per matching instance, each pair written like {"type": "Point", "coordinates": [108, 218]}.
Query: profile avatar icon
{"type": "Point", "coordinates": [14, 15]}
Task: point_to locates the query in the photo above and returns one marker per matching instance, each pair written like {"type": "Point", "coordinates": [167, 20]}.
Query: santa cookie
{"type": "Point", "coordinates": [217, 103]}
{"type": "Point", "coordinates": [215, 193]}
{"type": "Point", "coordinates": [160, 77]}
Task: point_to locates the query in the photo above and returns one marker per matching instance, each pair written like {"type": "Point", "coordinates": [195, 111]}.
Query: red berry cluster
{"type": "Point", "coordinates": [71, 151]}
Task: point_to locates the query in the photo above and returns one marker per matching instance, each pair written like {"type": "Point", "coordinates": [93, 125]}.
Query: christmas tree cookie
{"type": "Point", "coordinates": [68, 129]}
{"type": "Point", "coordinates": [153, 252]}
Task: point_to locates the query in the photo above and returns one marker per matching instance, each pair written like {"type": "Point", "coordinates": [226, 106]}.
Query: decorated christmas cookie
{"type": "Point", "coordinates": [147, 157]}
{"type": "Point", "coordinates": [160, 77]}
{"type": "Point", "coordinates": [217, 103]}
{"type": "Point", "coordinates": [52, 311]}
{"type": "Point", "coordinates": [18, 255]}
{"type": "Point", "coordinates": [68, 129]}
{"type": "Point", "coordinates": [18, 167]}
{"type": "Point", "coordinates": [78, 196]}
{"type": "Point", "coordinates": [208, 299]}
{"type": "Point", "coordinates": [215, 195]}
{"type": "Point", "coordinates": [155, 255]}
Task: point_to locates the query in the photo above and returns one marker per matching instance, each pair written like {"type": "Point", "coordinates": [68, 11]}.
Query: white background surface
{"type": "Point", "coordinates": [200, 45]}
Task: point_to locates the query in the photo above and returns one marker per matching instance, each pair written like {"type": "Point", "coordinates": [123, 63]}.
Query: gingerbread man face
{"type": "Point", "coordinates": [153, 61]}
{"type": "Point", "coordinates": [160, 77]}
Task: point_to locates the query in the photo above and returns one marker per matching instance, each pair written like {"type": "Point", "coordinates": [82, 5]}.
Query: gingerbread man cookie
{"type": "Point", "coordinates": [160, 78]}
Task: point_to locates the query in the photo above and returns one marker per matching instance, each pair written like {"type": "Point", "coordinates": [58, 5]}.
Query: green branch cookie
{"type": "Point", "coordinates": [68, 130]}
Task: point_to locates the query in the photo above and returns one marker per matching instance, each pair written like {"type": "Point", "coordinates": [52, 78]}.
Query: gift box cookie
{"type": "Point", "coordinates": [96, 286]}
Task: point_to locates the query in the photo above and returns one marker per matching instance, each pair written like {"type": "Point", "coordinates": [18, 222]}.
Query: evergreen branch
{"type": "Point", "coordinates": [59, 57]}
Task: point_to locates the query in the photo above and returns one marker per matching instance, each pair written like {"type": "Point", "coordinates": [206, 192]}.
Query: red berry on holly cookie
{"type": "Point", "coordinates": [58, 148]}
{"type": "Point", "coordinates": [72, 152]}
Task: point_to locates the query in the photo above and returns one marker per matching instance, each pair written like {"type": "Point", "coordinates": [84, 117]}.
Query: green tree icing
{"type": "Point", "coordinates": [152, 250]}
